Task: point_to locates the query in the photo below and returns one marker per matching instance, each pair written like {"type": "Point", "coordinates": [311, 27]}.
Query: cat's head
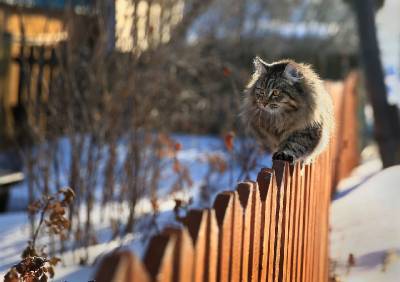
{"type": "Point", "coordinates": [279, 87]}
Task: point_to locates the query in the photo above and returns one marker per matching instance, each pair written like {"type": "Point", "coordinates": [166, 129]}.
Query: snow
{"type": "Point", "coordinates": [14, 233]}
{"type": "Point", "coordinates": [388, 28]}
{"type": "Point", "coordinates": [14, 225]}
{"type": "Point", "coordinates": [365, 223]}
{"type": "Point", "coordinates": [195, 149]}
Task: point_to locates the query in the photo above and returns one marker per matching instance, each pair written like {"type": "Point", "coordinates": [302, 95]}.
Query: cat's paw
{"type": "Point", "coordinates": [284, 156]}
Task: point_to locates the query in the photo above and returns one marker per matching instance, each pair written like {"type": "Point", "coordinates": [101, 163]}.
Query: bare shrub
{"type": "Point", "coordinates": [36, 265]}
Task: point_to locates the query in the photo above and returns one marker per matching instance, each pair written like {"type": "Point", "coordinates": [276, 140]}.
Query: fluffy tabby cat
{"type": "Point", "coordinates": [288, 109]}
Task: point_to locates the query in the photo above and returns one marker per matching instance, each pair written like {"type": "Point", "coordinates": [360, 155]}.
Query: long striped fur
{"type": "Point", "coordinates": [288, 110]}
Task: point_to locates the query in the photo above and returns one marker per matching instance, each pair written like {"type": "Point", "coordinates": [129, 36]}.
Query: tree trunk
{"type": "Point", "coordinates": [107, 22]}
{"type": "Point", "coordinates": [386, 118]}
{"type": "Point", "coordinates": [111, 24]}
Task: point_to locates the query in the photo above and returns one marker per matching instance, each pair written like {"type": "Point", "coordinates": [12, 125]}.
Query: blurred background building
{"type": "Point", "coordinates": [29, 32]}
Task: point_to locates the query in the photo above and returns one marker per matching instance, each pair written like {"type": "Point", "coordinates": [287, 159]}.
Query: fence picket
{"type": "Point", "coordinates": [255, 223]}
{"type": "Point", "coordinates": [183, 254]}
{"type": "Point", "coordinates": [223, 206]}
{"type": "Point", "coordinates": [280, 173]}
{"type": "Point", "coordinates": [212, 235]}
{"type": "Point", "coordinates": [272, 228]}
{"type": "Point", "coordinates": [245, 191]}
{"type": "Point", "coordinates": [236, 243]}
{"type": "Point", "coordinates": [291, 222]}
{"type": "Point", "coordinates": [196, 222]}
{"type": "Point", "coordinates": [159, 257]}
{"type": "Point", "coordinates": [304, 231]}
{"type": "Point", "coordinates": [264, 181]}
{"type": "Point", "coordinates": [296, 184]}
{"type": "Point", "coordinates": [121, 266]}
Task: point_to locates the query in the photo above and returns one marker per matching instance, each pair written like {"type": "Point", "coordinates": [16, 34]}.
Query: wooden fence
{"type": "Point", "coordinates": [345, 142]}
{"type": "Point", "coordinates": [273, 229]}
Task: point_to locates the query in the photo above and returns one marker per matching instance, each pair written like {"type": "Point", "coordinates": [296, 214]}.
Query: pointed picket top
{"type": "Point", "coordinates": [254, 239]}
{"type": "Point", "coordinates": [195, 221]}
{"type": "Point", "coordinates": [294, 215]}
{"type": "Point", "coordinates": [244, 190]}
{"type": "Point", "coordinates": [264, 179]}
{"type": "Point", "coordinates": [267, 188]}
{"type": "Point", "coordinates": [223, 206]}
{"type": "Point", "coordinates": [222, 202]}
{"type": "Point", "coordinates": [121, 266]}
{"type": "Point", "coordinates": [159, 257]}
{"type": "Point", "coordinates": [280, 169]}
{"type": "Point", "coordinates": [281, 173]}
{"type": "Point", "coordinates": [183, 254]}
{"type": "Point", "coordinates": [236, 243]}
{"type": "Point", "coordinates": [288, 214]}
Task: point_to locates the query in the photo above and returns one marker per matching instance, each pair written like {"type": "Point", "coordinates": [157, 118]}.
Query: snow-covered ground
{"type": "Point", "coordinates": [365, 223]}
{"type": "Point", "coordinates": [193, 155]}
{"type": "Point", "coordinates": [14, 225]}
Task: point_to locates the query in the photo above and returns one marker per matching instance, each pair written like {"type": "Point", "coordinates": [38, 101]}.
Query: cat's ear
{"type": "Point", "coordinates": [292, 73]}
{"type": "Point", "coordinates": [259, 65]}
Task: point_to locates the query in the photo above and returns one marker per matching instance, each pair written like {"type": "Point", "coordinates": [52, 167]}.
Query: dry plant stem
{"type": "Point", "coordinates": [41, 220]}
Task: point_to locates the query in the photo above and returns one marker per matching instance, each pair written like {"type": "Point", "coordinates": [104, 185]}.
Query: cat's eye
{"type": "Point", "coordinates": [274, 94]}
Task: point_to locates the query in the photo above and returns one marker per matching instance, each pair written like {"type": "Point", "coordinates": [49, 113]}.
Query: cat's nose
{"type": "Point", "coordinates": [265, 103]}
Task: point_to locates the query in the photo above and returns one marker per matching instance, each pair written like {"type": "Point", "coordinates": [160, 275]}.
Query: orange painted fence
{"type": "Point", "coordinates": [273, 229]}
{"type": "Point", "coordinates": [345, 142]}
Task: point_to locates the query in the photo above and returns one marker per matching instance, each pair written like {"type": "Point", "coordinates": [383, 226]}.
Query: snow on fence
{"type": "Point", "coordinates": [273, 229]}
